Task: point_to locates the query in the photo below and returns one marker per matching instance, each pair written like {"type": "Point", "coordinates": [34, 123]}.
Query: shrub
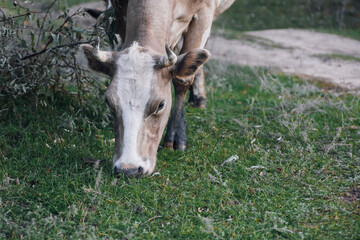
{"type": "Point", "coordinates": [38, 61]}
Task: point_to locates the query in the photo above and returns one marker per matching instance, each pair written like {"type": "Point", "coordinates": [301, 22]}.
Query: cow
{"type": "Point", "coordinates": [139, 95]}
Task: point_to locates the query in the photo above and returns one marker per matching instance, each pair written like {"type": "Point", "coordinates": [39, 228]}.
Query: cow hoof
{"type": "Point", "coordinates": [198, 102]}
{"type": "Point", "coordinates": [180, 147]}
{"type": "Point", "coordinates": [169, 145]}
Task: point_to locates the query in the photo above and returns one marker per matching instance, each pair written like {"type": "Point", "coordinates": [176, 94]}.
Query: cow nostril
{"type": "Point", "coordinates": [116, 170]}
{"type": "Point", "coordinates": [129, 171]}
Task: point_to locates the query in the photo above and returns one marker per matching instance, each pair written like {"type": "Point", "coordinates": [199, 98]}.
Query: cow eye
{"type": "Point", "coordinates": [161, 106]}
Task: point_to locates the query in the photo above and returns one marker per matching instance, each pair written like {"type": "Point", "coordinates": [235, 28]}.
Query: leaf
{"type": "Point", "coordinates": [23, 43]}
{"type": "Point", "coordinates": [32, 40]}
{"type": "Point", "coordinates": [54, 38]}
{"type": "Point", "coordinates": [255, 167]}
{"type": "Point", "coordinates": [231, 159]}
{"type": "Point", "coordinates": [38, 24]}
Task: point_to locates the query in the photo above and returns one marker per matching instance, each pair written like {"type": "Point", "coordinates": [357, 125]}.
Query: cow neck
{"type": "Point", "coordinates": [148, 23]}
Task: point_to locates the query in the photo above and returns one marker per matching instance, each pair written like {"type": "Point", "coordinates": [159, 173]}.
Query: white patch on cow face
{"type": "Point", "coordinates": [133, 79]}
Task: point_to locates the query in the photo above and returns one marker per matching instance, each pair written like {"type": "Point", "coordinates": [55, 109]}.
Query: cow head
{"type": "Point", "coordinates": [139, 97]}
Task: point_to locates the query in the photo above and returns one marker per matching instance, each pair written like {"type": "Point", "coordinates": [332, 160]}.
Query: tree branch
{"type": "Point", "coordinates": [53, 48]}
{"type": "Point", "coordinates": [7, 18]}
{"type": "Point", "coordinates": [50, 40]}
{"type": "Point", "coordinates": [42, 24]}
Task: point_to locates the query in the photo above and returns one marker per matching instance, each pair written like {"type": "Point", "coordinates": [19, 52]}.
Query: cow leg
{"type": "Point", "coordinates": [201, 29]}
{"type": "Point", "coordinates": [197, 94]}
{"type": "Point", "coordinates": [196, 37]}
{"type": "Point", "coordinates": [175, 136]}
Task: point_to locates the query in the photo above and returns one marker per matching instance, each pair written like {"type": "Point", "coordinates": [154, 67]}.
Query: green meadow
{"type": "Point", "coordinates": [271, 157]}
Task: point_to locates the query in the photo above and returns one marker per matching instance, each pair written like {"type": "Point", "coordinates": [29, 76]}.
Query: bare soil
{"type": "Point", "coordinates": [311, 54]}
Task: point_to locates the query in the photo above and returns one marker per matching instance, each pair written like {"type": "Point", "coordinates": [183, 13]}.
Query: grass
{"type": "Point", "coordinates": [321, 15]}
{"type": "Point", "coordinates": [337, 56]}
{"type": "Point", "coordinates": [271, 157]}
{"type": "Point", "coordinates": [298, 156]}
{"type": "Point", "coordinates": [264, 14]}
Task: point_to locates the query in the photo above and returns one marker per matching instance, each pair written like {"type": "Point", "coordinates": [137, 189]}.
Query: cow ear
{"type": "Point", "coordinates": [188, 64]}
{"type": "Point", "coordinates": [93, 62]}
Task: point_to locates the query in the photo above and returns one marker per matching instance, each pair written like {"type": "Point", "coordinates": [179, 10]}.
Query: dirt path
{"type": "Point", "coordinates": [306, 53]}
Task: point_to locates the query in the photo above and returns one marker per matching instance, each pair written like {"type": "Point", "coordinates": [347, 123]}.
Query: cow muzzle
{"type": "Point", "coordinates": [131, 168]}
{"type": "Point", "coordinates": [129, 171]}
